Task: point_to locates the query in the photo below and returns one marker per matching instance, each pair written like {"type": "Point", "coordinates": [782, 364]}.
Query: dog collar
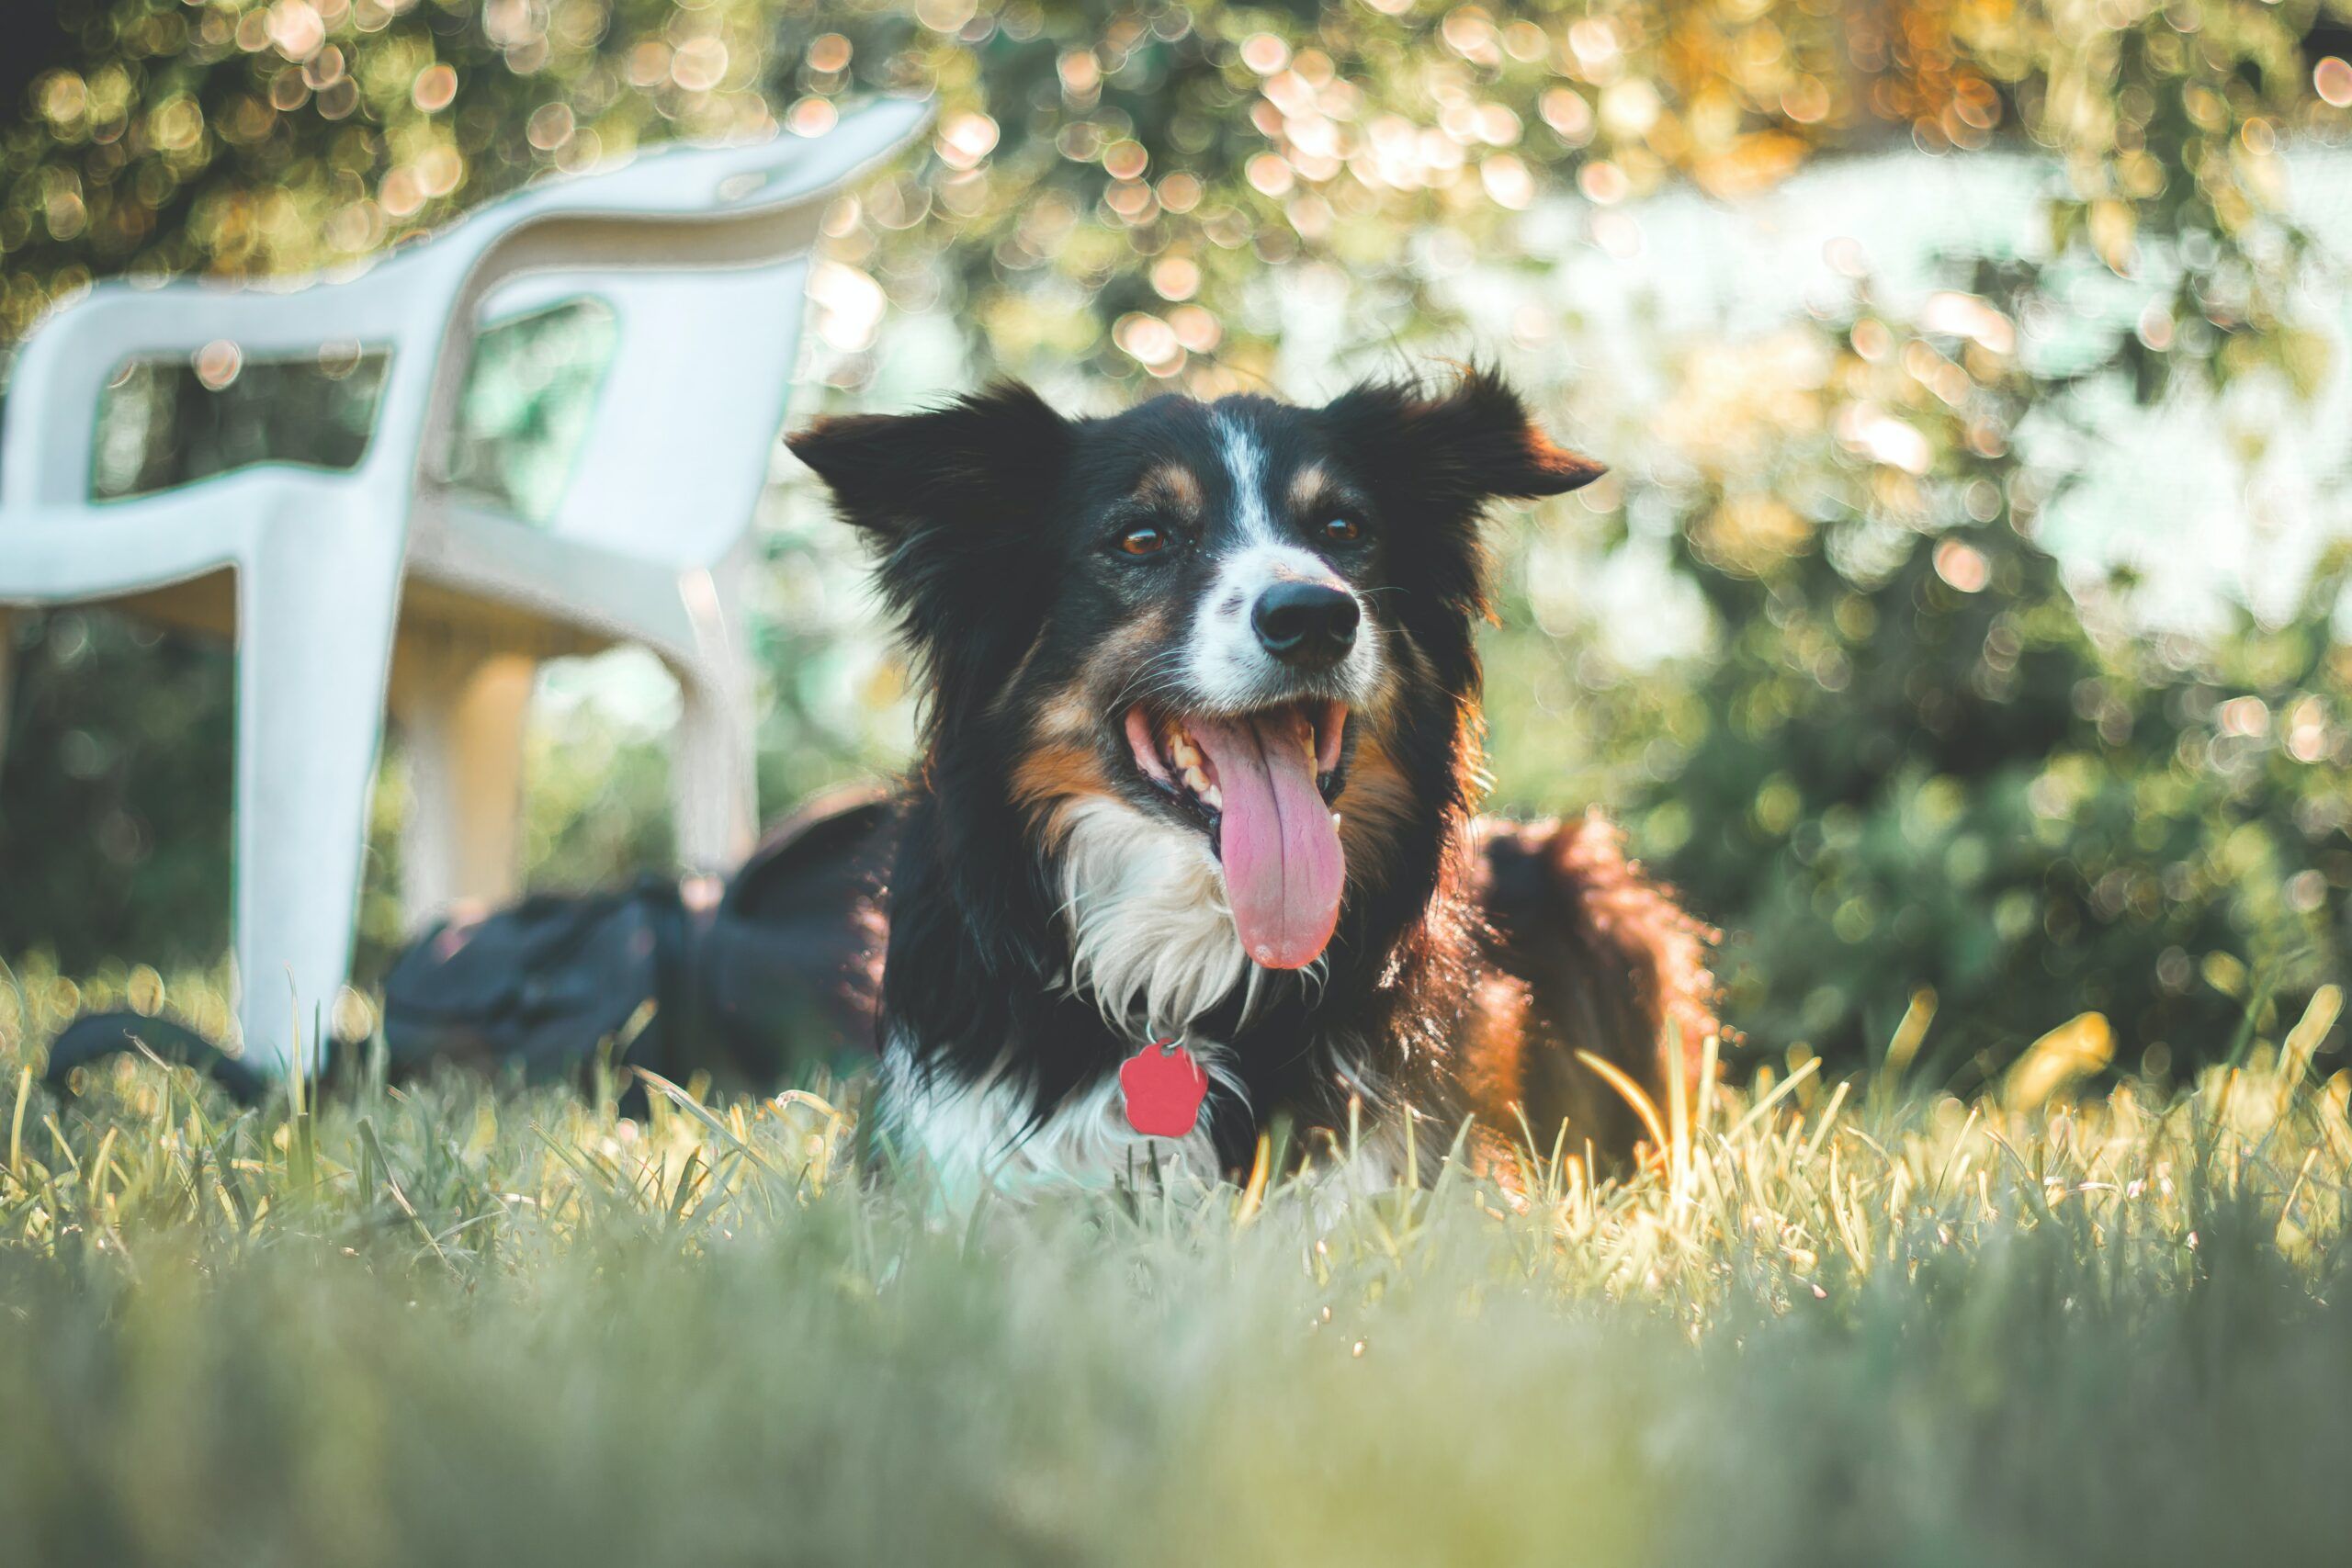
{"type": "Point", "coordinates": [1161, 1087]}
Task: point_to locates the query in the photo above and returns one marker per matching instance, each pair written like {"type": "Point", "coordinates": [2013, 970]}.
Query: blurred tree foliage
{"type": "Point", "coordinates": [1907, 756]}
{"type": "Point", "coordinates": [1912, 761]}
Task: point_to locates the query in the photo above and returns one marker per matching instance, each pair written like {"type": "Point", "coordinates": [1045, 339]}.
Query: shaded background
{"type": "Point", "coordinates": [1959, 627]}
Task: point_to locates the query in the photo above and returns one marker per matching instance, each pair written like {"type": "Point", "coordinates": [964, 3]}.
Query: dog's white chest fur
{"type": "Point", "coordinates": [1152, 940]}
{"type": "Point", "coordinates": [1153, 945]}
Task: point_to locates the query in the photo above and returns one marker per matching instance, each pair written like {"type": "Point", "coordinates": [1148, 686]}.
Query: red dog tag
{"type": "Point", "coordinates": [1163, 1088]}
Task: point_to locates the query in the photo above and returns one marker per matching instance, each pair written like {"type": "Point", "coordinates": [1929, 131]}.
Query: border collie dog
{"type": "Point", "coordinates": [1200, 757]}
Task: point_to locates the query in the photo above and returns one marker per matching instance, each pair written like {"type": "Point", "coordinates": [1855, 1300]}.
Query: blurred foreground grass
{"type": "Point", "coordinates": [454, 1325]}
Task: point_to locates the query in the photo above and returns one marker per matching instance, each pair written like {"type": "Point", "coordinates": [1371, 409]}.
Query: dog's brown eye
{"type": "Point", "coordinates": [1144, 541]}
{"type": "Point", "coordinates": [1342, 530]}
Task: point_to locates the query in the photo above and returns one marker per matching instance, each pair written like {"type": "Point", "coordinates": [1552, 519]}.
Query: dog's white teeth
{"type": "Point", "coordinates": [1184, 753]}
{"type": "Point", "coordinates": [1215, 796]}
{"type": "Point", "coordinates": [1197, 780]}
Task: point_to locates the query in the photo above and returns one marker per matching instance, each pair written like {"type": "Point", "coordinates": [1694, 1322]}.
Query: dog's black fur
{"type": "Point", "coordinates": [1469, 962]}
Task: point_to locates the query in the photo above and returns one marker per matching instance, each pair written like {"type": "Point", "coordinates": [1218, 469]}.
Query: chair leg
{"type": "Point", "coordinates": [713, 775]}
{"type": "Point", "coordinates": [460, 713]}
{"type": "Point", "coordinates": [315, 611]}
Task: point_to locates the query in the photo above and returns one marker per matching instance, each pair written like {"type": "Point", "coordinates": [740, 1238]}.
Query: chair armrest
{"type": "Point", "coordinates": [69, 360]}
{"type": "Point", "coordinates": [53, 555]}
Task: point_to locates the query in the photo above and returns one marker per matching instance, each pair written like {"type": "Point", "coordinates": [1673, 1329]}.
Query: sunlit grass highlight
{"type": "Point", "coordinates": [1819, 1324]}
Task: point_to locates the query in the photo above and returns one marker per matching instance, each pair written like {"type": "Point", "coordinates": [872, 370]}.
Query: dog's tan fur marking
{"type": "Point", "coordinates": [1050, 780]}
{"type": "Point", "coordinates": [1307, 487]}
{"type": "Point", "coordinates": [1067, 715]}
{"type": "Point", "coordinates": [1377, 804]}
{"type": "Point", "coordinates": [1174, 486]}
{"type": "Point", "coordinates": [1493, 1047]}
{"type": "Point", "coordinates": [1064, 762]}
{"type": "Point", "coordinates": [1315, 494]}
{"type": "Point", "coordinates": [1613, 966]}
{"type": "Point", "coordinates": [1064, 767]}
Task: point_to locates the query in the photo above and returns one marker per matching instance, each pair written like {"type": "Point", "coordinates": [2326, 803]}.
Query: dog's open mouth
{"type": "Point", "coordinates": [1261, 785]}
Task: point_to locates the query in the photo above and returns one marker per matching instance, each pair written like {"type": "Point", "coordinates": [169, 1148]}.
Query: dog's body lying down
{"type": "Point", "coordinates": [1200, 752]}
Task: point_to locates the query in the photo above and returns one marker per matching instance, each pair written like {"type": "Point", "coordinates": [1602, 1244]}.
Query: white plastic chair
{"type": "Point", "coordinates": [345, 587]}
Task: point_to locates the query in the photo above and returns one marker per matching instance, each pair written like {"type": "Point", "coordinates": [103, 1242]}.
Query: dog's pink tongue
{"type": "Point", "coordinates": [1283, 869]}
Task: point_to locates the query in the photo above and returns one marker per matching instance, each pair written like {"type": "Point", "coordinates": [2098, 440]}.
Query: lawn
{"type": "Point", "coordinates": [1835, 1324]}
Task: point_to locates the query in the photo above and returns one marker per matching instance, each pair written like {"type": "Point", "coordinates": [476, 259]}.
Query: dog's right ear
{"type": "Point", "coordinates": [954, 498]}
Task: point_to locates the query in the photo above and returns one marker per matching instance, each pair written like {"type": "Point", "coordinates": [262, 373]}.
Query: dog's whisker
{"type": "Point", "coordinates": [1147, 681]}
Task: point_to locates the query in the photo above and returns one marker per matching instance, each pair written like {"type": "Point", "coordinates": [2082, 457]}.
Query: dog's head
{"type": "Point", "coordinates": [1240, 622]}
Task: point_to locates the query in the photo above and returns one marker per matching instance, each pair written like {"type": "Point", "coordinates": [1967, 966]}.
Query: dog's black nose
{"type": "Point", "coordinates": [1307, 624]}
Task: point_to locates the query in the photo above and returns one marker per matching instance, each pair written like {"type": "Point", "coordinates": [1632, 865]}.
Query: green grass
{"type": "Point", "coordinates": [455, 1326]}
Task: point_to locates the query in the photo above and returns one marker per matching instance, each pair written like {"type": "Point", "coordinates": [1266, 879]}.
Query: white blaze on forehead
{"type": "Point", "coordinates": [1245, 465]}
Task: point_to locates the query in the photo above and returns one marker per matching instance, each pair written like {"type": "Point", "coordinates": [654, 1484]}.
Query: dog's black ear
{"type": "Point", "coordinates": [1433, 460]}
{"type": "Point", "coordinates": [962, 463]}
{"type": "Point", "coordinates": [952, 498]}
{"type": "Point", "coordinates": [1457, 449]}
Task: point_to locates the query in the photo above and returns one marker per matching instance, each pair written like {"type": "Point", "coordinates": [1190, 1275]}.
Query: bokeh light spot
{"type": "Point", "coordinates": [966, 139]}
{"type": "Point", "coordinates": [812, 116]}
{"type": "Point", "coordinates": [1125, 159]}
{"type": "Point", "coordinates": [1602, 182]}
{"type": "Point", "coordinates": [549, 127]}
{"type": "Point", "coordinates": [2331, 79]}
{"type": "Point", "coordinates": [1963, 566]}
{"type": "Point", "coordinates": [1268, 175]}
{"type": "Point", "coordinates": [1176, 278]}
{"type": "Point", "coordinates": [830, 53]}
{"type": "Point", "coordinates": [1507, 181]}
{"type": "Point", "coordinates": [434, 89]}
{"type": "Point", "coordinates": [1264, 53]}
{"type": "Point", "coordinates": [217, 364]}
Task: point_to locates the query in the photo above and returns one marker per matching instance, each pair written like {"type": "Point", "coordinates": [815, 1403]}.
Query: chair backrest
{"type": "Point", "coordinates": [688, 180]}
{"type": "Point", "coordinates": [663, 232]}
{"type": "Point", "coordinates": [674, 224]}
{"type": "Point", "coordinates": [686, 408]}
